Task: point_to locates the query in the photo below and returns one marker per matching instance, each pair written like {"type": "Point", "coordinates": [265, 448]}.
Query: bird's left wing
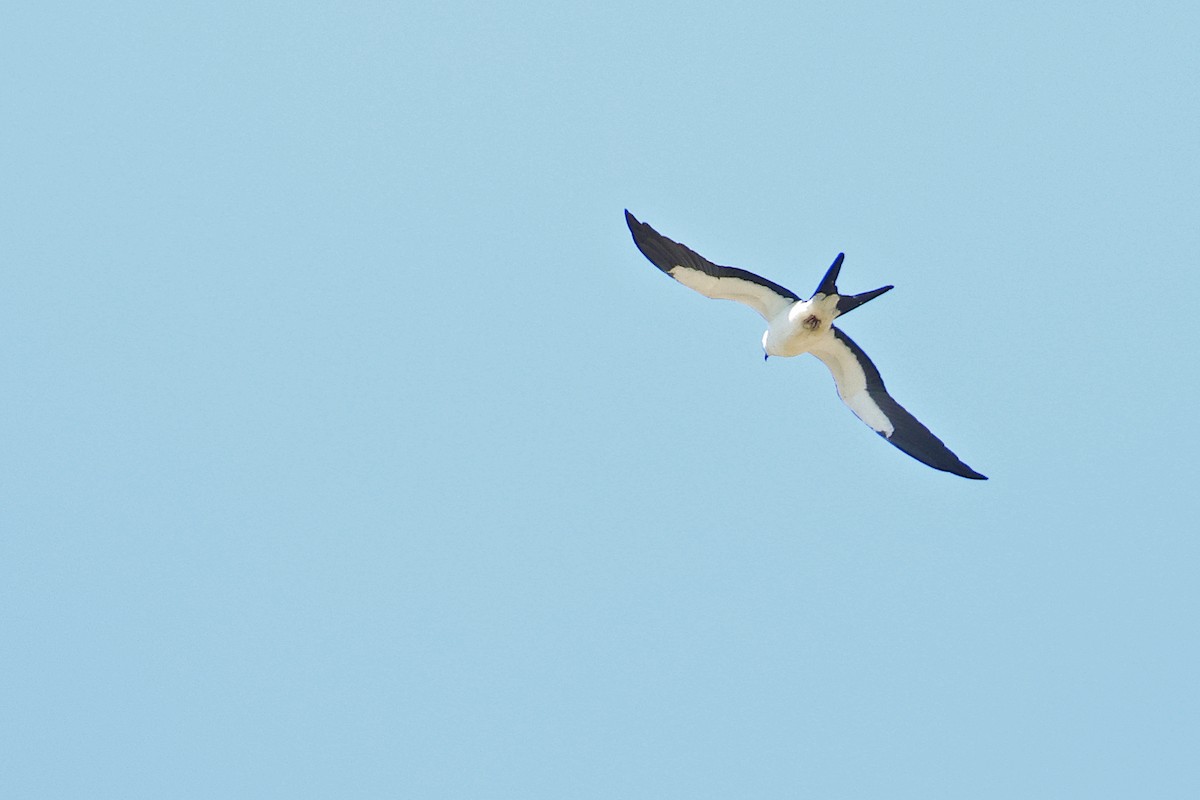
{"type": "Point", "coordinates": [711, 280]}
{"type": "Point", "coordinates": [861, 388]}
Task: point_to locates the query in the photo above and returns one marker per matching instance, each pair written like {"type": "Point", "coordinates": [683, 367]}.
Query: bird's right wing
{"type": "Point", "coordinates": [696, 272]}
{"type": "Point", "coordinates": [861, 388]}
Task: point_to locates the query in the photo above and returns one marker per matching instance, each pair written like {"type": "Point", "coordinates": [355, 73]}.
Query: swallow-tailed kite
{"type": "Point", "coordinates": [796, 326]}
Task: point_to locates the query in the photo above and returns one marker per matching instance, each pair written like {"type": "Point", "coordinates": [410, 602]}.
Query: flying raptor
{"type": "Point", "coordinates": [796, 326]}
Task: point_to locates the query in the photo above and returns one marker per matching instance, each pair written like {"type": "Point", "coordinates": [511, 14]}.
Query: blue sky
{"type": "Point", "coordinates": [350, 448]}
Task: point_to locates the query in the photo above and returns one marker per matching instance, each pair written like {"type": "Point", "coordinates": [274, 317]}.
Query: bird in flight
{"type": "Point", "coordinates": [796, 326]}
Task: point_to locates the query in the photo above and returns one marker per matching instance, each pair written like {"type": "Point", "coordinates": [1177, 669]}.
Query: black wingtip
{"type": "Point", "coordinates": [638, 228]}
{"type": "Point", "coordinates": [967, 472]}
{"type": "Point", "coordinates": [916, 440]}
{"type": "Point", "coordinates": [972, 474]}
{"type": "Point", "coordinates": [654, 246]}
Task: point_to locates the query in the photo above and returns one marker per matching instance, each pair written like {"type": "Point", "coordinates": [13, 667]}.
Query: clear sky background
{"type": "Point", "coordinates": [351, 449]}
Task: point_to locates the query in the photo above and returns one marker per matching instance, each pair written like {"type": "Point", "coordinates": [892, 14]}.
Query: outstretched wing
{"type": "Point", "coordinates": [861, 388]}
{"type": "Point", "coordinates": [696, 272]}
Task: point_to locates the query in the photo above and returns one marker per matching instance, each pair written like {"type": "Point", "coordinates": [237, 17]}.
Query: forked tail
{"type": "Point", "coordinates": [845, 303]}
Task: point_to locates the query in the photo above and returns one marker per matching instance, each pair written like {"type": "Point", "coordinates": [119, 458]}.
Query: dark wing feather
{"type": "Point", "coordinates": [712, 280]}
{"type": "Point", "coordinates": [861, 388]}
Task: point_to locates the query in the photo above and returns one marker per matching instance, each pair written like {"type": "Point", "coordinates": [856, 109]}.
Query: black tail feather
{"type": "Point", "coordinates": [847, 304]}
{"type": "Point", "coordinates": [829, 282]}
